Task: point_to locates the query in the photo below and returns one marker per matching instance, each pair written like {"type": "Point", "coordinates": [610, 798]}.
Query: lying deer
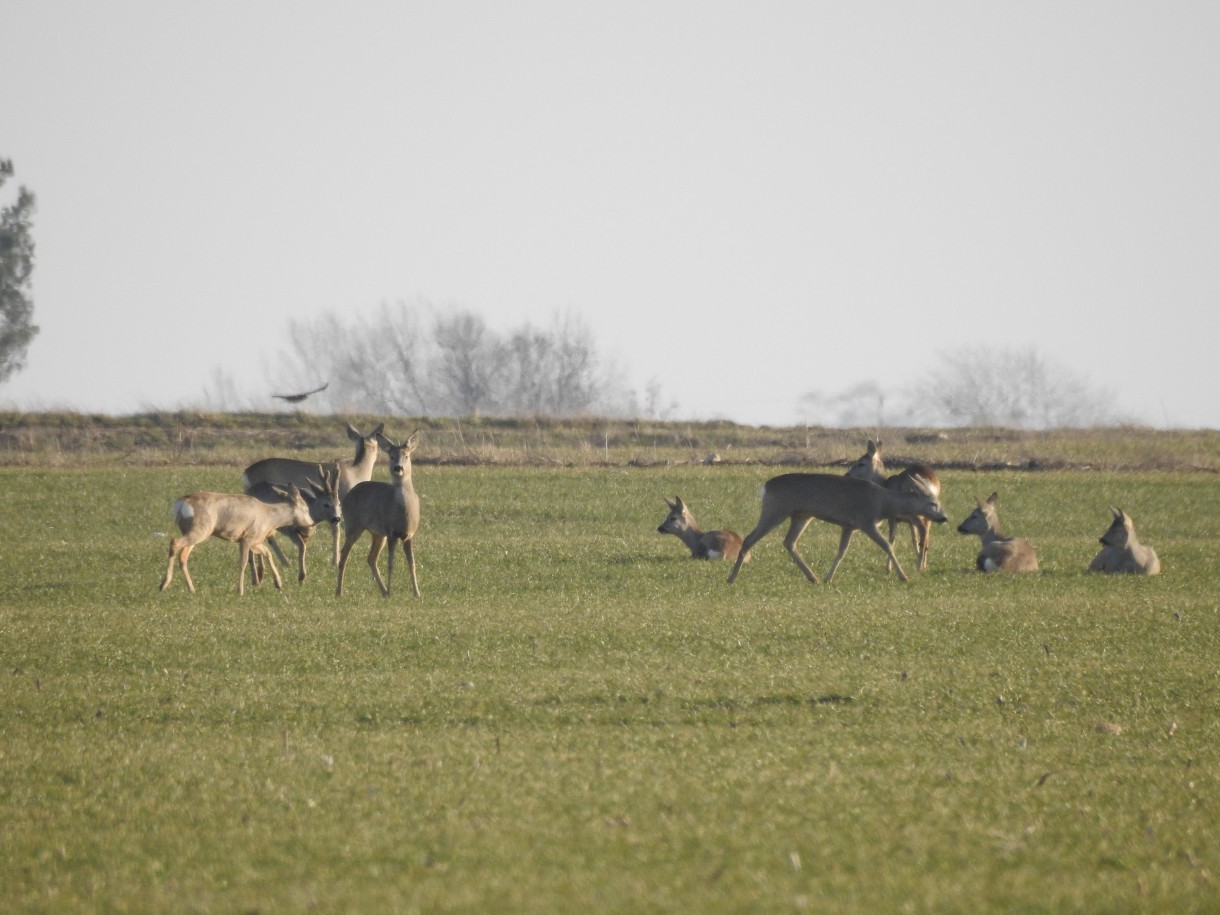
{"type": "Point", "coordinates": [388, 511]}
{"type": "Point", "coordinates": [234, 517]}
{"type": "Point", "coordinates": [722, 544]}
{"type": "Point", "coordinates": [915, 478]}
{"type": "Point", "coordinates": [1122, 552]}
{"type": "Point", "coordinates": [325, 505]}
{"type": "Point", "coordinates": [999, 553]}
{"type": "Point", "coordinates": [281, 471]}
{"type": "Point", "coordinates": [854, 505]}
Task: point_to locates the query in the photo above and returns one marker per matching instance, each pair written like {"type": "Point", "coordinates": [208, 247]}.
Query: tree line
{"type": "Point", "coordinates": [412, 359]}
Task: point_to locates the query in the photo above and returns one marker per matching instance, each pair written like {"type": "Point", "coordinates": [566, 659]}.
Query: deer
{"type": "Point", "coordinates": [1000, 553]}
{"type": "Point", "coordinates": [870, 466]}
{"type": "Point", "coordinates": [281, 471]}
{"type": "Point", "coordinates": [388, 511]}
{"type": "Point", "coordinates": [234, 517]}
{"type": "Point", "coordinates": [722, 544]}
{"type": "Point", "coordinates": [325, 505]}
{"type": "Point", "coordinates": [853, 505]}
{"type": "Point", "coordinates": [1121, 550]}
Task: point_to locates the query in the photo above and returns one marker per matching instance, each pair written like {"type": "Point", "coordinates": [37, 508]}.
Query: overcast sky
{"type": "Point", "coordinates": [745, 201]}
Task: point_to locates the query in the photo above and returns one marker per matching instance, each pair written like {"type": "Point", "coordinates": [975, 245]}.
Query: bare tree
{"type": "Point", "coordinates": [465, 364]}
{"type": "Point", "coordinates": [409, 359]}
{"type": "Point", "coordinates": [861, 404]}
{"type": "Point", "coordinates": [1011, 387]}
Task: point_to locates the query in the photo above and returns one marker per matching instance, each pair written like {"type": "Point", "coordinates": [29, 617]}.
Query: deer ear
{"type": "Point", "coordinates": [993, 498]}
{"type": "Point", "coordinates": [1117, 513]}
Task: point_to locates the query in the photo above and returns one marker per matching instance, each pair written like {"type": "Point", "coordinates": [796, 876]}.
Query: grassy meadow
{"type": "Point", "coordinates": [575, 716]}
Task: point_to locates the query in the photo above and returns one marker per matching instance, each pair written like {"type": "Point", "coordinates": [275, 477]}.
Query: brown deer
{"type": "Point", "coordinates": [388, 511]}
{"type": "Point", "coordinates": [324, 504]}
{"type": "Point", "coordinates": [722, 544]}
{"type": "Point", "coordinates": [234, 517]}
{"type": "Point", "coordinates": [914, 478]}
{"type": "Point", "coordinates": [1121, 550]}
{"type": "Point", "coordinates": [1000, 553]}
{"type": "Point", "coordinates": [281, 471]}
{"type": "Point", "coordinates": [854, 505]}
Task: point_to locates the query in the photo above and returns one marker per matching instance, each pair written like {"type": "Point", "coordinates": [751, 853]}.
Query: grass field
{"type": "Point", "coordinates": [577, 717]}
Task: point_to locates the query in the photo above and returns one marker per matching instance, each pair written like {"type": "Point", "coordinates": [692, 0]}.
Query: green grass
{"type": "Point", "coordinates": [576, 716]}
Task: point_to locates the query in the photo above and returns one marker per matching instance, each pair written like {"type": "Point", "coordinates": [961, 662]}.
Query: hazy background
{"type": "Point", "coordinates": [744, 202]}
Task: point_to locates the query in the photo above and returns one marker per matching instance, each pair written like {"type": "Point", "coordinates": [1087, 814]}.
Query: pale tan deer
{"type": "Point", "coordinates": [1121, 550]}
{"type": "Point", "coordinates": [237, 518]}
{"type": "Point", "coordinates": [722, 544]}
{"type": "Point", "coordinates": [916, 477]}
{"type": "Point", "coordinates": [854, 505]}
{"type": "Point", "coordinates": [388, 511]}
{"type": "Point", "coordinates": [1000, 553]}
{"type": "Point", "coordinates": [325, 505]}
{"type": "Point", "coordinates": [281, 471]}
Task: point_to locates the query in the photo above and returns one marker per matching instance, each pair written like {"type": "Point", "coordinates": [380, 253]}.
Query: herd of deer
{"type": "Point", "coordinates": [864, 497]}
{"type": "Point", "coordinates": [293, 497]}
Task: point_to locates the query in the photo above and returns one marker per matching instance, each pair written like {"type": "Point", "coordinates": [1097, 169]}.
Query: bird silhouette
{"type": "Point", "coordinates": [297, 398]}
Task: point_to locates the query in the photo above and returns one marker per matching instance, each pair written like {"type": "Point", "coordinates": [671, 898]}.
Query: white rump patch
{"type": "Point", "coordinates": [989, 565]}
{"type": "Point", "coordinates": [183, 510]}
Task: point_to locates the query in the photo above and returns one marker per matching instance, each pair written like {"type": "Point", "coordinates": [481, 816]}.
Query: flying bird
{"type": "Point", "coordinates": [297, 398]}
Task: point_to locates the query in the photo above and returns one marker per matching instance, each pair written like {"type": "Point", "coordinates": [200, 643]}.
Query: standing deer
{"type": "Point", "coordinates": [854, 505]}
{"type": "Point", "coordinates": [325, 505]}
{"type": "Point", "coordinates": [916, 477]}
{"type": "Point", "coordinates": [1122, 551]}
{"type": "Point", "coordinates": [999, 553]}
{"type": "Point", "coordinates": [388, 511]}
{"type": "Point", "coordinates": [722, 544]}
{"type": "Point", "coordinates": [281, 471]}
{"type": "Point", "coordinates": [233, 517]}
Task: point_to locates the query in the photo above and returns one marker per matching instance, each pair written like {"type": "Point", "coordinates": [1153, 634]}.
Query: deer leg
{"type": "Point", "coordinates": [348, 543]}
{"type": "Point", "coordinates": [340, 536]}
{"type": "Point", "coordinates": [374, 555]}
{"type": "Point", "coordinates": [390, 567]}
{"type": "Point", "coordinates": [881, 542]}
{"type": "Point", "coordinates": [844, 543]}
{"type": "Point", "coordinates": [169, 573]}
{"type": "Point", "coordinates": [409, 552]}
{"type": "Point", "coordinates": [799, 523]}
{"type": "Point", "coordinates": [764, 526]}
{"type": "Point", "coordinates": [925, 540]}
{"type": "Point", "coordinates": [299, 536]}
{"type": "Point", "coordinates": [893, 533]}
{"type": "Point", "coordinates": [243, 559]}
{"type": "Point", "coordinates": [261, 550]}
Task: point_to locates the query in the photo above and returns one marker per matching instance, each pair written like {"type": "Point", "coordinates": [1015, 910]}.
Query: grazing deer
{"type": "Point", "coordinates": [722, 544]}
{"type": "Point", "coordinates": [281, 471]}
{"type": "Point", "coordinates": [233, 517]}
{"type": "Point", "coordinates": [999, 553]}
{"type": "Point", "coordinates": [1122, 552]}
{"type": "Point", "coordinates": [388, 511]}
{"type": "Point", "coordinates": [914, 478]}
{"type": "Point", "coordinates": [324, 505]}
{"type": "Point", "coordinates": [854, 505]}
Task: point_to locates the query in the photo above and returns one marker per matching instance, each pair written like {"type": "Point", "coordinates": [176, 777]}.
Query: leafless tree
{"type": "Point", "coordinates": [1010, 387]}
{"type": "Point", "coordinates": [415, 359]}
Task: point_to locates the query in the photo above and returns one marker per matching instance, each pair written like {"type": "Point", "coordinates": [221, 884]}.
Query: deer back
{"type": "Point", "coordinates": [292, 470]}
{"type": "Point", "coordinates": [1011, 555]}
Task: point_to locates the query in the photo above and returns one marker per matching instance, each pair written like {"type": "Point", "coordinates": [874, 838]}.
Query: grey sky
{"type": "Point", "coordinates": [744, 201]}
